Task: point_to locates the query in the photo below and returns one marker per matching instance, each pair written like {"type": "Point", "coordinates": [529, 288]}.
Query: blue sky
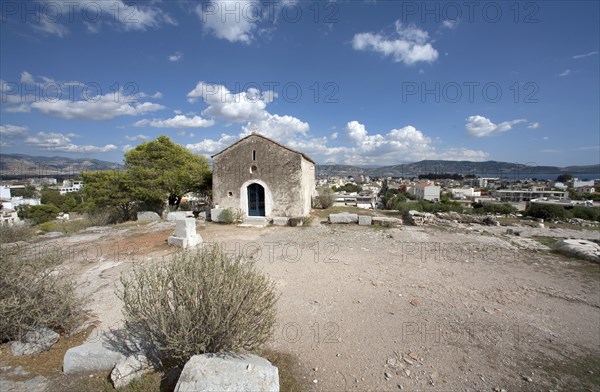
{"type": "Point", "coordinates": [373, 82]}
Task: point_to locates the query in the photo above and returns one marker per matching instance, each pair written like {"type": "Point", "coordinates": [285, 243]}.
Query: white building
{"type": "Point", "coordinates": [463, 193]}
{"type": "Point", "coordinates": [427, 192]}
{"type": "Point", "coordinates": [9, 217]}
{"type": "Point", "coordinates": [580, 184]}
{"type": "Point", "coordinates": [5, 192]}
{"type": "Point", "coordinates": [70, 186]}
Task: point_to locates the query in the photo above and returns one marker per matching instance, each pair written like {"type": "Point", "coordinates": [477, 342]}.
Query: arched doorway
{"type": "Point", "coordinates": [256, 200]}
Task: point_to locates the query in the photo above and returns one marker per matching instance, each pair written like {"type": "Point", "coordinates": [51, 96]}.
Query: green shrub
{"type": "Point", "coordinates": [200, 302]}
{"type": "Point", "coordinates": [38, 214]}
{"type": "Point", "coordinates": [490, 208]}
{"type": "Point", "coordinates": [587, 213]}
{"type": "Point", "coordinates": [15, 232]}
{"type": "Point", "coordinates": [230, 215]}
{"type": "Point", "coordinates": [31, 296]}
{"type": "Point", "coordinates": [546, 211]}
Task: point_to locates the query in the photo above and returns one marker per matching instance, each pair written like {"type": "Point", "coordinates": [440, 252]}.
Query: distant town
{"type": "Point", "coordinates": [465, 192]}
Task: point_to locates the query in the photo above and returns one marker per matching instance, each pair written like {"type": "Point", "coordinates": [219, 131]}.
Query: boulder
{"type": "Point", "coordinates": [296, 221]}
{"type": "Point", "coordinates": [365, 220]}
{"type": "Point", "coordinates": [280, 221]}
{"type": "Point", "coordinates": [129, 369]}
{"type": "Point", "coordinates": [387, 221]}
{"type": "Point", "coordinates": [584, 249]}
{"type": "Point", "coordinates": [35, 341]}
{"type": "Point", "coordinates": [148, 216]}
{"type": "Point", "coordinates": [228, 372]}
{"type": "Point", "coordinates": [343, 218]}
{"type": "Point", "coordinates": [90, 357]}
{"type": "Point", "coordinates": [417, 218]}
{"type": "Point", "coordinates": [490, 221]}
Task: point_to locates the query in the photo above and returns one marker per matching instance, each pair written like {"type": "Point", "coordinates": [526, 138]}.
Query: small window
{"type": "Point", "coordinates": [254, 155]}
{"type": "Point", "coordinates": [230, 194]}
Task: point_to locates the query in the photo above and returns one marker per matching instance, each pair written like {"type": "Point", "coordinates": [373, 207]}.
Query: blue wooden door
{"type": "Point", "coordinates": [256, 200]}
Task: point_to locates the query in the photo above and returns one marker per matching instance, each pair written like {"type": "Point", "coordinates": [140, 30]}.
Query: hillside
{"type": "Point", "coordinates": [22, 165]}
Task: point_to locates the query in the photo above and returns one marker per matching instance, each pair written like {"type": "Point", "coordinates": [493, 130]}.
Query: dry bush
{"type": "Point", "coordinates": [15, 232]}
{"type": "Point", "coordinates": [324, 199]}
{"type": "Point", "coordinates": [31, 295]}
{"type": "Point", "coordinates": [200, 302]}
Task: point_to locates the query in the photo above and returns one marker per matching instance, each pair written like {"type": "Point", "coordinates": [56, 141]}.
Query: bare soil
{"type": "Point", "coordinates": [366, 308]}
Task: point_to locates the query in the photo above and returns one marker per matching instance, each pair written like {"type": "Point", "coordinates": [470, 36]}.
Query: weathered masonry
{"type": "Point", "coordinates": [263, 178]}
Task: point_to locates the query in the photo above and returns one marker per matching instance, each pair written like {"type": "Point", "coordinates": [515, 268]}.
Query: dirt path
{"type": "Point", "coordinates": [413, 308]}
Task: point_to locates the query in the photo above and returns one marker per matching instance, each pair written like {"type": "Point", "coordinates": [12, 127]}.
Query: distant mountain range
{"type": "Point", "coordinates": [479, 169]}
{"type": "Point", "coordinates": [21, 165]}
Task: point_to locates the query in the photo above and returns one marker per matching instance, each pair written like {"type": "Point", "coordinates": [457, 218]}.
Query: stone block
{"type": "Point", "coordinates": [365, 220]}
{"type": "Point", "coordinates": [343, 218]}
{"type": "Point", "coordinates": [222, 372]}
{"type": "Point", "coordinates": [280, 221]}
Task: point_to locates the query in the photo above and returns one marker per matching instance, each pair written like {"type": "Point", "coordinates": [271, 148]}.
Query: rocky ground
{"type": "Point", "coordinates": [441, 307]}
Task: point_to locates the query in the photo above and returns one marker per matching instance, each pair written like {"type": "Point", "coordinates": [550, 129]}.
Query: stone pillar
{"type": "Point", "coordinates": [185, 235]}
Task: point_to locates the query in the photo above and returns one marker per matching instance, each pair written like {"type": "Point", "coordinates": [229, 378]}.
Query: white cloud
{"type": "Point", "coordinates": [450, 23]}
{"type": "Point", "coordinates": [12, 131]}
{"type": "Point", "coordinates": [237, 107]}
{"type": "Point", "coordinates": [73, 99]}
{"type": "Point", "coordinates": [282, 128]}
{"type": "Point", "coordinates": [334, 136]}
{"type": "Point", "coordinates": [479, 126]}
{"type": "Point", "coordinates": [127, 148]}
{"type": "Point", "coordinates": [534, 125]}
{"type": "Point", "coordinates": [404, 144]}
{"type": "Point", "coordinates": [409, 45]}
{"type": "Point", "coordinates": [210, 146]}
{"type": "Point", "coordinates": [26, 77]}
{"type": "Point", "coordinates": [136, 137]}
{"type": "Point", "coordinates": [179, 121]}
{"type": "Point", "coordinates": [54, 141]}
{"type": "Point", "coordinates": [116, 13]}
{"type": "Point", "coordinates": [176, 57]}
{"type": "Point", "coordinates": [566, 72]}
{"type": "Point", "coordinates": [232, 20]}
{"type": "Point", "coordinates": [48, 26]}
{"type": "Point", "coordinates": [101, 107]}
{"type": "Point", "coordinates": [581, 56]}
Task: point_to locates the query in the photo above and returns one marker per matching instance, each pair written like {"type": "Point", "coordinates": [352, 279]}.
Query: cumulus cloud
{"type": "Point", "coordinates": [479, 126]}
{"type": "Point", "coordinates": [179, 121]}
{"type": "Point", "coordinates": [403, 144]}
{"type": "Point", "coordinates": [236, 107]}
{"type": "Point", "coordinates": [247, 107]}
{"type": "Point", "coordinates": [54, 141]}
{"type": "Point", "coordinates": [211, 146]}
{"type": "Point", "coordinates": [73, 99]}
{"type": "Point", "coordinates": [409, 44]}
{"type": "Point", "coordinates": [103, 107]}
{"type": "Point", "coordinates": [232, 20]}
{"type": "Point", "coordinates": [283, 128]}
{"type": "Point", "coordinates": [12, 131]}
